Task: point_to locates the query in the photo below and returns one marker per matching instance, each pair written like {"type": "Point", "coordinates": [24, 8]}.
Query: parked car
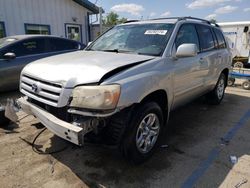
{"type": "Point", "coordinates": [18, 51]}
{"type": "Point", "coordinates": [124, 85]}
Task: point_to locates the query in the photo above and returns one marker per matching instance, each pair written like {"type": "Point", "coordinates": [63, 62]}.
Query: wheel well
{"type": "Point", "coordinates": [226, 72]}
{"type": "Point", "coordinates": [160, 97]}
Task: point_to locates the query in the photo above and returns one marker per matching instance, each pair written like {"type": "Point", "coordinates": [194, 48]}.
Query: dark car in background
{"type": "Point", "coordinates": [18, 51]}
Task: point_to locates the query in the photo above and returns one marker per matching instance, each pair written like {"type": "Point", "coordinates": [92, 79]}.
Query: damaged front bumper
{"type": "Point", "coordinates": [65, 130]}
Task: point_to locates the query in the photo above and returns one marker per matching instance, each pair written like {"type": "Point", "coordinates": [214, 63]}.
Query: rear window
{"type": "Point", "coordinates": [206, 38]}
{"type": "Point", "coordinates": [220, 39]}
{"type": "Point", "coordinates": [62, 45]}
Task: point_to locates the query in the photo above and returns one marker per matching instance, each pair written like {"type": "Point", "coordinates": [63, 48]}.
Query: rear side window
{"type": "Point", "coordinates": [220, 39]}
{"type": "Point", "coordinates": [62, 45]}
{"type": "Point", "coordinates": [206, 38]}
{"type": "Point", "coordinates": [187, 34]}
{"type": "Point", "coordinates": [27, 47]}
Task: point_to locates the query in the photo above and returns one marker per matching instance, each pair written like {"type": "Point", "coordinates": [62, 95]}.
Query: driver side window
{"type": "Point", "coordinates": [187, 34]}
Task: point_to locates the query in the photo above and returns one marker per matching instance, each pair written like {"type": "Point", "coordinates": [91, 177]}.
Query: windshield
{"type": "Point", "coordinates": [145, 39]}
{"type": "Point", "coordinates": [6, 41]}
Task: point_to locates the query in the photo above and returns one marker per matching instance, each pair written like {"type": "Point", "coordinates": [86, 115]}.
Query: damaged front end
{"type": "Point", "coordinates": [68, 126]}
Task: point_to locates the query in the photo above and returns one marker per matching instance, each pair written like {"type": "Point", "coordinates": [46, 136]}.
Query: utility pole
{"type": "Point", "coordinates": [100, 13]}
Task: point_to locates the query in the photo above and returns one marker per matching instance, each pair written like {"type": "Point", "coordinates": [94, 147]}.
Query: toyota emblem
{"type": "Point", "coordinates": [34, 88]}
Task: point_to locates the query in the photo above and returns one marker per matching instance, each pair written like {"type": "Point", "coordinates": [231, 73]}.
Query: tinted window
{"type": "Point", "coordinates": [187, 34]}
{"type": "Point", "coordinates": [62, 44]}
{"type": "Point", "coordinates": [27, 47]}
{"type": "Point", "coordinates": [220, 38]}
{"type": "Point", "coordinates": [206, 38]}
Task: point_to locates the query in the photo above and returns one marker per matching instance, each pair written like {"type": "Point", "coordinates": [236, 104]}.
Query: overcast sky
{"type": "Point", "coordinates": [221, 10]}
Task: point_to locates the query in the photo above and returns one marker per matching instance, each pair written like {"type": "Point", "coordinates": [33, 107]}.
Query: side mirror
{"type": "Point", "coordinates": [187, 50]}
{"type": "Point", "coordinates": [89, 43]}
{"type": "Point", "coordinates": [9, 56]}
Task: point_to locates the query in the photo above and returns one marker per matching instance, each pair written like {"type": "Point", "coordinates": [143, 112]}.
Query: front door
{"type": "Point", "coordinates": [188, 81]}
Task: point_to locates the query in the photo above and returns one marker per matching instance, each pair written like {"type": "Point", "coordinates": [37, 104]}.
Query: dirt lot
{"type": "Point", "coordinates": [196, 155]}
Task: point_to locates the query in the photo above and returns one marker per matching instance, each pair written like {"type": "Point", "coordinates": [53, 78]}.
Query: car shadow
{"type": "Point", "coordinates": [194, 130]}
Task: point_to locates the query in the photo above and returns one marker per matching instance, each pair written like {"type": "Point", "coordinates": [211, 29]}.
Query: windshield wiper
{"type": "Point", "coordinates": [119, 51]}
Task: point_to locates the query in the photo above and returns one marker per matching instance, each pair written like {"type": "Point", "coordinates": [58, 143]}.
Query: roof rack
{"type": "Point", "coordinates": [190, 18]}
{"type": "Point", "coordinates": [129, 21]}
{"type": "Point", "coordinates": [199, 19]}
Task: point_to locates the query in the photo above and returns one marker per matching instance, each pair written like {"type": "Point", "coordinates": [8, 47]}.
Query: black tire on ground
{"type": "Point", "coordinates": [215, 97]}
{"type": "Point", "coordinates": [230, 81]}
{"type": "Point", "coordinates": [114, 131]}
{"type": "Point", "coordinates": [246, 85]}
{"type": "Point", "coordinates": [130, 144]}
{"type": "Point", "coordinates": [3, 120]}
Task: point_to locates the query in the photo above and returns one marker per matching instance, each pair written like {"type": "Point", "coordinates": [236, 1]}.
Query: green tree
{"type": "Point", "coordinates": [113, 19]}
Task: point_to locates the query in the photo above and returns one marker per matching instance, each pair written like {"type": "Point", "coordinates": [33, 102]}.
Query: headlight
{"type": "Point", "coordinates": [96, 97]}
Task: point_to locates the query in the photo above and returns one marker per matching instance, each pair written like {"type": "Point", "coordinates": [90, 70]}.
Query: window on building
{"type": "Point", "coordinates": [206, 38]}
{"type": "Point", "coordinates": [187, 34]}
{"type": "Point", "coordinates": [37, 29]}
{"type": "Point", "coordinates": [2, 30]}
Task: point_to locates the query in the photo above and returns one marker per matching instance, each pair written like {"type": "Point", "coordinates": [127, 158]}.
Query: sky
{"type": "Point", "coordinates": [221, 10]}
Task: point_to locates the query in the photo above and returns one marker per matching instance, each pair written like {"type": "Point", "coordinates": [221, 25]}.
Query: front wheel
{"type": "Point", "coordinates": [143, 132]}
{"type": "Point", "coordinates": [215, 97]}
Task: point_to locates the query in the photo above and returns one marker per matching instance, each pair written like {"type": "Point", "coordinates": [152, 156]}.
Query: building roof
{"type": "Point", "coordinates": [234, 23]}
{"type": "Point", "coordinates": [87, 4]}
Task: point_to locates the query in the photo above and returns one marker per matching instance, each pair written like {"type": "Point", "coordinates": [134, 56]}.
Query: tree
{"type": "Point", "coordinates": [113, 19]}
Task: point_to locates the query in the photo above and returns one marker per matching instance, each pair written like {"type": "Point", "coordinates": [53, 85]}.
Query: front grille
{"type": "Point", "coordinates": [40, 90]}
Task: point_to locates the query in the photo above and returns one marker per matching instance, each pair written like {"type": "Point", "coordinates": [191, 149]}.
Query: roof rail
{"type": "Point", "coordinates": [190, 18]}
{"type": "Point", "coordinates": [129, 21]}
{"type": "Point", "coordinates": [199, 19]}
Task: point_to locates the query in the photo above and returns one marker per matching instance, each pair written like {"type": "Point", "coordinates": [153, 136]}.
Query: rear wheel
{"type": "Point", "coordinates": [215, 97]}
{"type": "Point", "coordinates": [246, 85]}
{"type": "Point", "coordinates": [230, 81]}
{"type": "Point", "coordinates": [142, 134]}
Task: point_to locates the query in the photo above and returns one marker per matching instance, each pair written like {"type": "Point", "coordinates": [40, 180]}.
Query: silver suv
{"type": "Point", "coordinates": [124, 85]}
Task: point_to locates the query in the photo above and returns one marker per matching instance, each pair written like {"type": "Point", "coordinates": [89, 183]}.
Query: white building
{"type": "Point", "coordinates": [65, 18]}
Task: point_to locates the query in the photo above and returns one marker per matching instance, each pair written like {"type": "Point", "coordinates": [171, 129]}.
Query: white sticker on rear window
{"type": "Point", "coordinates": [156, 32]}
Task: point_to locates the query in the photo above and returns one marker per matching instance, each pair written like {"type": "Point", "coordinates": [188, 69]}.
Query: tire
{"type": "Point", "coordinates": [140, 140]}
{"type": "Point", "coordinates": [216, 96]}
{"type": "Point", "coordinates": [238, 64]}
{"type": "Point", "coordinates": [246, 85]}
{"type": "Point", "coordinates": [3, 120]}
{"type": "Point", "coordinates": [230, 81]}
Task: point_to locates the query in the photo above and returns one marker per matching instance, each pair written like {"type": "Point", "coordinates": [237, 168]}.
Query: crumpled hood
{"type": "Point", "coordinates": [81, 67]}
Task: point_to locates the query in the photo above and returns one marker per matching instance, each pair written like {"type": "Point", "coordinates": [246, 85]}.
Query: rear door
{"type": "Point", "coordinates": [188, 82]}
{"type": "Point", "coordinates": [223, 52]}
{"type": "Point", "coordinates": [26, 51]}
{"type": "Point", "coordinates": [60, 45]}
{"type": "Point", "coordinates": [208, 55]}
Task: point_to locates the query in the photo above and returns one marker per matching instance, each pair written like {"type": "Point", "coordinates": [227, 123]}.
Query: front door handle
{"type": "Point", "coordinates": [201, 60]}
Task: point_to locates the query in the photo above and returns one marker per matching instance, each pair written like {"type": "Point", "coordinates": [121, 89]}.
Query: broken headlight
{"type": "Point", "coordinates": [96, 97]}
